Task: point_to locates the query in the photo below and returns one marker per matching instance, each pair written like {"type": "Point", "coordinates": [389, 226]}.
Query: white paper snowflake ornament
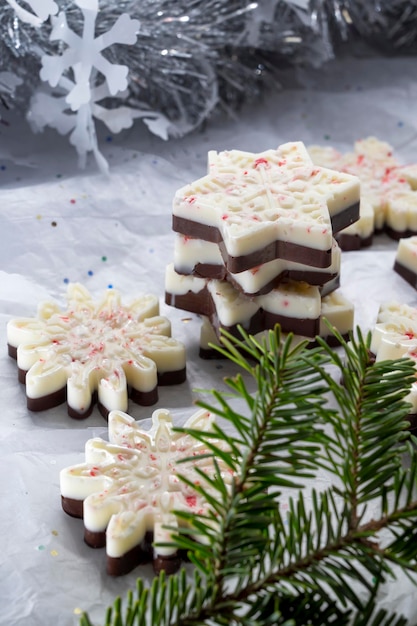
{"type": "Point", "coordinates": [81, 77]}
{"type": "Point", "coordinates": [128, 488]}
{"type": "Point", "coordinates": [93, 351]}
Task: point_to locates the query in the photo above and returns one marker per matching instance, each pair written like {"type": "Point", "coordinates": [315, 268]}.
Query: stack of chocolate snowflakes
{"type": "Point", "coordinates": [255, 246]}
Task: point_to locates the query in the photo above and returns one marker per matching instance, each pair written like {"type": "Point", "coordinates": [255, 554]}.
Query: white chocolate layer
{"type": "Point", "coordinates": [407, 253]}
{"type": "Point", "coordinates": [130, 484]}
{"type": "Point", "coordinates": [257, 199]}
{"type": "Point", "coordinates": [91, 346]}
{"type": "Point", "coordinates": [339, 313]}
{"type": "Point", "coordinates": [189, 253]}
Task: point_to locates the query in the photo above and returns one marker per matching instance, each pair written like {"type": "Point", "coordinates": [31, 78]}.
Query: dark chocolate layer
{"type": "Point", "coordinates": [12, 351]}
{"type": "Point", "coordinates": [202, 304]}
{"type": "Point", "coordinates": [399, 234]}
{"type": "Point", "coordinates": [278, 249]}
{"type": "Point", "coordinates": [143, 398]}
{"type": "Point", "coordinates": [406, 273]}
{"type": "Point", "coordinates": [72, 506]}
{"type": "Point", "coordinates": [349, 242]}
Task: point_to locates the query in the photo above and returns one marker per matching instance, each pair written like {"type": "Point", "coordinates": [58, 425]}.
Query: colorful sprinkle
{"type": "Point", "coordinates": [55, 533]}
{"type": "Point", "coordinates": [109, 138]}
{"type": "Point", "coordinates": [66, 281]}
{"type": "Point", "coordinates": [54, 224]}
{"type": "Point", "coordinates": [40, 548]}
{"type": "Point", "coordinates": [73, 201]}
{"type": "Point", "coordinates": [54, 553]}
{"type": "Point", "coordinates": [104, 258]}
{"type": "Point", "coordinates": [77, 610]}
{"type": "Point", "coordinates": [327, 137]}
{"type": "Point", "coordinates": [90, 272]}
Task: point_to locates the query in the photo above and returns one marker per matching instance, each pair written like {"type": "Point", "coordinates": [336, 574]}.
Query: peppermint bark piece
{"type": "Point", "coordinates": [203, 259]}
{"type": "Point", "coordinates": [266, 206]}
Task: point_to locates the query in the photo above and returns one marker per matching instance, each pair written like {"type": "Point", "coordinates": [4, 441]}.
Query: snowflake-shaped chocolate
{"type": "Point", "coordinates": [128, 489]}
{"type": "Point", "coordinates": [95, 350]}
{"type": "Point", "coordinates": [389, 187]}
{"type": "Point", "coordinates": [275, 204]}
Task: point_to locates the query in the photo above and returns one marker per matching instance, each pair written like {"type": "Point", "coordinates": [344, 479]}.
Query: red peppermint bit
{"type": "Point", "coordinates": [225, 216]}
{"type": "Point", "coordinates": [56, 342]}
{"type": "Point", "coordinates": [130, 362]}
{"type": "Point", "coordinates": [190, 199]}
{"type": "Point", "coordinates": [409, 334]}
{"type": "Point", "coordinates": [286, 303]}
{"type": "Point", "coordinates": [191, 501]}
{"type": "Point", "coordinates": [245, 173]}
{"type": "Point", "coordinates": [120, 457]}
{"type": "Point", "coordinates": [152, 457]}
{"type": "Point", "coordinates": [360, 159]}
{"type": "Point", "coordinates": [402, 180]}
{"type": "Point", "coordinates": [256, 218]}
{"type": "Point", "coordinates": [281, 163]}
{"type": "Point", "coordinates": [255, 270]}
{"type": "Point", "coordinates": [386, 175]}
{"type": "Point", "coordinates": [261, 161]}
{"type": "Point", "coordinates": [314, 172]}
{"type": "Point", "coordinates": [94, 471]}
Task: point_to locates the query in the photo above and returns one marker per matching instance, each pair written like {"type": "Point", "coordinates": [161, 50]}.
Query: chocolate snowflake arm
{"type": "Point", "coordinates": [91, 349]}
{"type": "Point", "coordinates": [128, 488]}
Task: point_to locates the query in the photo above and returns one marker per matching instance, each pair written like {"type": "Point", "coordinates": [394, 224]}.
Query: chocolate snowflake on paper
{"type": "Point", "coordinates": [92, 351]}
{"type": "Point", "coordinates": [275, 204]}
{"type": "Point", "coordinates": [128, 489]}
{"type": "Point", "coordinates": [387, 186]}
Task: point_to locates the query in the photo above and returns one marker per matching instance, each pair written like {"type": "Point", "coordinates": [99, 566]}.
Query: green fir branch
{"type": "Point", "coordinates": [322, 562]}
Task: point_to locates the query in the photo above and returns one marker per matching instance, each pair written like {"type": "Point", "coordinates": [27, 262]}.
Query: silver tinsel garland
{"type": "Point", "coordinates": [192, 56]}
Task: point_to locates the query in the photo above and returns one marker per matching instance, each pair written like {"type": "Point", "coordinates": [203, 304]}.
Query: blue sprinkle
{"type": "Point", "coordinates": [400, 124]}
{"type": "Point", "coordinates": [110, 286]}
{"type": "Point", "coordinates": [90, 272]}
{"type": "Point", "coordinates": [2, 168]}
{"type": "Point", "coordinates": [66, 281]}
{"type": "Point", "coordinates": [109, 138]}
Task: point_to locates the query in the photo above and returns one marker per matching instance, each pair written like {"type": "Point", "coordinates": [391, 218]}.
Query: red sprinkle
{"type": "Point", "coordinates": [261, 161]}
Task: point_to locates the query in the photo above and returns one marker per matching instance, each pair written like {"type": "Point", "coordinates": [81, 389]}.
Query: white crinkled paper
{"type": "Point", "coordinates": [58, 224]}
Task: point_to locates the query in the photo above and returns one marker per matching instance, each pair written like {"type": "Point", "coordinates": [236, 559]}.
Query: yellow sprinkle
{"type": "Point", "coordinates": [55, 533]}
{"type": "Point", "coordinates": [77, 611]}
{"type": "Point", "coordinates": [39, 217]}
{"type": "Point", "coordinates": [54, 553]}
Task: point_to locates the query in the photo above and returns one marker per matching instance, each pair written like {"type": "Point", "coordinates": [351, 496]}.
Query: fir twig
{"type": "Point", "coordinates": [324, 561]}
